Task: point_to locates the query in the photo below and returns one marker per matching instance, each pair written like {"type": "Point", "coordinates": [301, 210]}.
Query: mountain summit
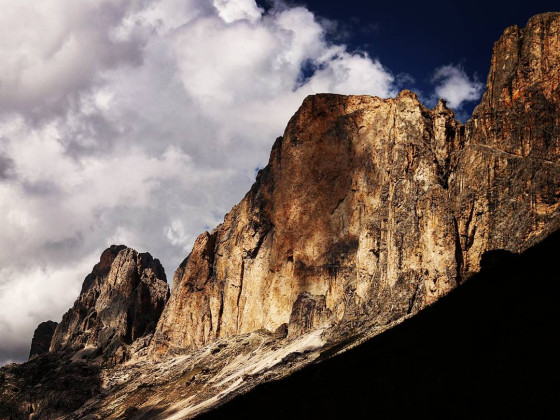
{"type": "Point", "coordinates": [369, 211]}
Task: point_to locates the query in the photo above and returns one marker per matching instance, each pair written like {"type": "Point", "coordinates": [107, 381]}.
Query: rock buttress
{"type": "Point", "coordinates": [506, 186]}
{"type": "Point", "coordinates": [352, 207]}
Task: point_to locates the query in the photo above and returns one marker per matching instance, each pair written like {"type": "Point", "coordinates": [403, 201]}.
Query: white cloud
{"type": "Point", "coordinates": [51, 49]}
{"type": "Point", "coordinates": [21, 305]}
{"type": "Point", "coordinates": [353, 74]}
{"type": "Point", "coordinates": [454, 85]}
{"type": "Point", "coordinates": [232, 10]}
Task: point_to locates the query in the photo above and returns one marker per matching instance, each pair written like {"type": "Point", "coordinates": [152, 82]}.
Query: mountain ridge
{"type": "Point", "coordinates": [369, 211]}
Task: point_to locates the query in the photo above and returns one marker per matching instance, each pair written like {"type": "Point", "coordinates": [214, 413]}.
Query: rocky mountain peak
{"type": "Point", "coordinates": [517, 112]}
{"type": "Point", "coordinates": [506, 185]}
{"type": "Point", "coordinates": [345, 211]}
{"type": "Point", "coordinates": [373, 208]}
{"type": "Point", "coordinates": [102, 268]}
{"type": "Point", "coordinates": [121, 300]}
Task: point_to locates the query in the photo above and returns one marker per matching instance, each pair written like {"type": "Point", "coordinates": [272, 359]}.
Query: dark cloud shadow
{"type": "Point", "coordinates": [6, 167]}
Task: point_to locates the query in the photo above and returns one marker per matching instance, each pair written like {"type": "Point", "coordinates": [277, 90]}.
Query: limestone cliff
{"type": "Point", "coordinates": [381, 206]}
{"type": "Point", "coordinates": [353, 207]}
{"type": "Point", "coordinates": [121, 300]}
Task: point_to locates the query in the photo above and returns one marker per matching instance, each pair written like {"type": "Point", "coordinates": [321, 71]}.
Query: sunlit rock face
{"type": "Point", "coordinates": [379, 207]}
{"type": "Point", "coordinates": [121, 301]}
{"type": "Point", "coordinates": [352, 208]}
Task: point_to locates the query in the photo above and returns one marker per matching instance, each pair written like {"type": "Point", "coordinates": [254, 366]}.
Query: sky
{"type": "Point", "coordinates": [143, 122]}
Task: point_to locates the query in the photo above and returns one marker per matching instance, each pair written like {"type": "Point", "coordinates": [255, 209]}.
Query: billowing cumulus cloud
{"type": "Point", "coordinates": [454, 85]}
{"type": "Point", "coordinates": [140, 122]}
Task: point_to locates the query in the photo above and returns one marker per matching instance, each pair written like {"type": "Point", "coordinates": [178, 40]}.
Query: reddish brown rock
{"type": "Point", "coordinates": [353, 207]}
{"type": "Point", "coordinates": [506, 186]}
{"type": "Point", "coordinates": [121, 301]}
{"type": "Point", "coordinates": [42, 337]}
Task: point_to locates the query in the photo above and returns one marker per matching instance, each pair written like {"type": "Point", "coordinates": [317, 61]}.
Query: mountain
{"type": "Point", "coordinates": [370, 214]}
{"type": "Point", "coordinates": [112, 320]}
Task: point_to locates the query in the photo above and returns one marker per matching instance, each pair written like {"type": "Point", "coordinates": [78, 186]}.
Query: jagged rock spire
{"type": "Point", "coordinates": [121, 300]}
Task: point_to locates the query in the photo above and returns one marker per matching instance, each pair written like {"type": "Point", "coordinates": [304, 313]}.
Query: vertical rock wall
{"type": "Point", "coordinates": [506, 187]}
